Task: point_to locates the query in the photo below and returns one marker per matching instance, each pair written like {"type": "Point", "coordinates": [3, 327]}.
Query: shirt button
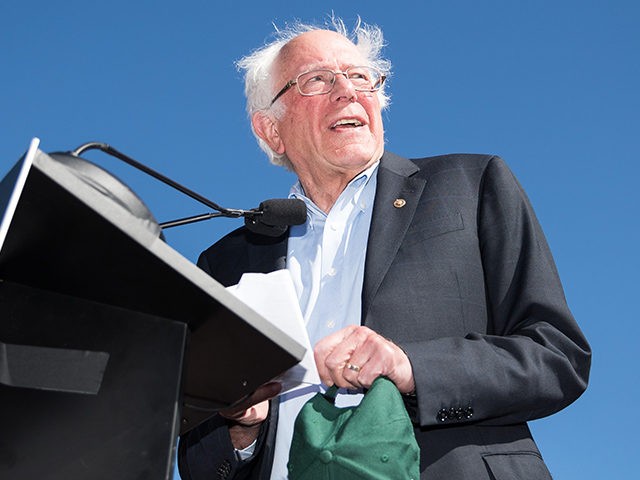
{"type": "Point", "coordinates": [331, 323]}
{"type": "Point", "coordinates": [333, 227]}
{"type": "Point", "coordinates": [332, 272]}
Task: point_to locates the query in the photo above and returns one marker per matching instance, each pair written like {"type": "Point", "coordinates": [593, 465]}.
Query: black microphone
{"type": "Point", "coordinates": [273, 217]}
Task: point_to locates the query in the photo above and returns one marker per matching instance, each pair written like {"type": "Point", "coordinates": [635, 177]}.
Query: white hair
{"type": "Point", "coordinates": [258, 65]}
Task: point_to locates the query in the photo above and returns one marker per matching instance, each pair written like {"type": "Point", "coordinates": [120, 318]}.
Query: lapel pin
{"type": "Point", "coordinates": [399, 202]}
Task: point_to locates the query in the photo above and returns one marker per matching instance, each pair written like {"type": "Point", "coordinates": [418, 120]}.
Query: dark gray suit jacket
{"type": "Point", "coordinates": [461, 277]}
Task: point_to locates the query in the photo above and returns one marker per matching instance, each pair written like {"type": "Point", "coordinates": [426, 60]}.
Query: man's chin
{"type": "Point", "coordinates": [359, 153]}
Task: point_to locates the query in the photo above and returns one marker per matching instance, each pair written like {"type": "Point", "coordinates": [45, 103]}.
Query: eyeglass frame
{"type": "Point", "coordinates": [293, 82]}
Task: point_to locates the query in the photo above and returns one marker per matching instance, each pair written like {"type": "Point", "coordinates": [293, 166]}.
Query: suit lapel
{"type": "Point", "coordinates": [397, 196]}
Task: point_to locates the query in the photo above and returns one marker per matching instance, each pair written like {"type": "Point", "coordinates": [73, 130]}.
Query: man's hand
{"type": "Point", "coordinates": [355, 356]}
{"type": "Point", "coordinates": [247, 415]}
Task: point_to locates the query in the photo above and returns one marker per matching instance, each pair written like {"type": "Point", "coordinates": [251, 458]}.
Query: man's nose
{"type": "Point", "coordinates": [343, 88]}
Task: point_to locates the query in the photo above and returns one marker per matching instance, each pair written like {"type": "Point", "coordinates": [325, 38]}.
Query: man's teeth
{"type": "Point", "coordinates": [350, 122]}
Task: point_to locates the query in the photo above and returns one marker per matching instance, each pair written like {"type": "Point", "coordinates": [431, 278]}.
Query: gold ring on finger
{"type": "Point", "coordinates": [353, 368]}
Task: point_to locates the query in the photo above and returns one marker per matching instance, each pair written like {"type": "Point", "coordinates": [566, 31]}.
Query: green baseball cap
{"type": "Point", "coordinates": [373, 440]}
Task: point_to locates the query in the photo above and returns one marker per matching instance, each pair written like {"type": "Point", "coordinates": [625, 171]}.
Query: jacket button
{"type": "Point", "coordinates": [224, 470]}
{"type": "Point", "coordinates": [443, 415]}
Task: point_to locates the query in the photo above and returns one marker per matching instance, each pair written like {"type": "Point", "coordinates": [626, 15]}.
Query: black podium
{"type": "Point", "coordinates": [111, 342]}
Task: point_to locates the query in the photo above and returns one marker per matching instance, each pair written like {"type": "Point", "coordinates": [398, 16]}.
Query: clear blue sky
{"type": "Point", "coordinates": [551, 86]}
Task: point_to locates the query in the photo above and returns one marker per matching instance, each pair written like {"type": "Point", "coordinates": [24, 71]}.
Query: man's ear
{"type": "Point", "coordinates": [266, 129]}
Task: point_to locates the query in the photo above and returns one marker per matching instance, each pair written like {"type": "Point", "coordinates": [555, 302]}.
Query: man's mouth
{"type": "Point", "coordinates": [347, 123]}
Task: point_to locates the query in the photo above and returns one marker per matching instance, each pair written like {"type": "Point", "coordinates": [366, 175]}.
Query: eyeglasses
{"type": "Point", "coordinates": [319, 82]}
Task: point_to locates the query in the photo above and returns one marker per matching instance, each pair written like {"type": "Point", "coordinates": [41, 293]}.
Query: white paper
{"type": "Point", "coordinates": [273, 296]}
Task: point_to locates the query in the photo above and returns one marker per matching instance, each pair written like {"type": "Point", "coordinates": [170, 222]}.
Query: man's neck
{"type": "Point", "coordinates": [324, 194]}
{"type": "Point", "coordinates": [324, 190]}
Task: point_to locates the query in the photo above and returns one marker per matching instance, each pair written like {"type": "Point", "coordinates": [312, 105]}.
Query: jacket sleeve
{"type": "Point", "coordinates": [532, 359]}
{"type": "Point", "coordinates": [206, 452]}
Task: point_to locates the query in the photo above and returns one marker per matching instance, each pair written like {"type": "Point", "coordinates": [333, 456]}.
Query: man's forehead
{"type": "Point", "coordinates": [318, 48]}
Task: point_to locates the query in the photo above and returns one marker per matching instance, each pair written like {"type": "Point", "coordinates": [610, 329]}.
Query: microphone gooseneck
{"type": "Point", "coordinates": [272, 218]}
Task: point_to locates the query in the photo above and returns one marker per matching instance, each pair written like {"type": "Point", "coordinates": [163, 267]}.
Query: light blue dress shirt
{"type": "Point", "coordinates": [326, 259]}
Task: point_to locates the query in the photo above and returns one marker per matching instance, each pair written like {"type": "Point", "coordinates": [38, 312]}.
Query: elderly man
{"type": "Point", "coordinates": [432, 272]}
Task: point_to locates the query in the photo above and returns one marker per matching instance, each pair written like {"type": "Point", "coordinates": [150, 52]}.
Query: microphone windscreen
{"type": "Point", "coordinates": [283, 212]}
